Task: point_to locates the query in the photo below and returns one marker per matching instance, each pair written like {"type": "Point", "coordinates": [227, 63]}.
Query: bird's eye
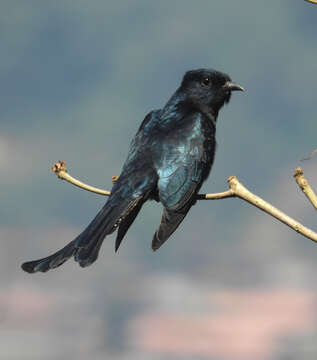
{"type": "Point", "coordinates": [205, 81]}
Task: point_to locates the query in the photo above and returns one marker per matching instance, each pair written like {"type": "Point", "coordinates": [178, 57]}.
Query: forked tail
{"type": "Point", "coordinates": [86, 246]}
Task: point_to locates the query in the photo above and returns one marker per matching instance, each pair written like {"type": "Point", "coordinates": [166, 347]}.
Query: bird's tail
{"type": "Point", "coordinates": [169, 223]}
{"type": "Point", "coordinates": [52, 261]}
{"type": "Point", "coordinates": [86, 246]}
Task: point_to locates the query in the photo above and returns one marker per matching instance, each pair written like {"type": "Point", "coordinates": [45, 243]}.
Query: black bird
{"type": "Point", "coordinates": [169, 159]}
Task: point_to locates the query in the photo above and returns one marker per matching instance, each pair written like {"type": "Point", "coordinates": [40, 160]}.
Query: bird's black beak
{"type": "Point", "coordinates": [232, 86]}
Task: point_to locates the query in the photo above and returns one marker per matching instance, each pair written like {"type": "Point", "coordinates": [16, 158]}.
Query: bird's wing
{"type": "Point", "coordinates": [178, 183]}
{"type": "Point", "coordinates": [130, 191]}
{"type": "Point", "coordinates": [133, 187]}
{"type": "Point", "coordinates": [128, 219]}
{"type": "Point", "coordinates": [178, 186]}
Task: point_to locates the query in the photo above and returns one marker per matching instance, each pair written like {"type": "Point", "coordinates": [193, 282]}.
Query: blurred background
{"type": "Point", "coordinates": [76, 80]}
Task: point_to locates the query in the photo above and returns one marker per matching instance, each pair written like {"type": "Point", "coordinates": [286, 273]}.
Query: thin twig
{"type": "Point", "coordinates": [60, 170]}
{"type": "Point", "coordinates": [236, 189]}
{"type": "Point", "coordinates": [312, 1]}
{"type": "Point", "coordinates": [309, 156]}
{"type": "Point", "coordinates": [217, 196]}
{"type": "Point", "coordinates": [305, 187]}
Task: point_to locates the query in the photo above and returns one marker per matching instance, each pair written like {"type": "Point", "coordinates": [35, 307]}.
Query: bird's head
{"type": "Point", "coordinates": [207, 88]}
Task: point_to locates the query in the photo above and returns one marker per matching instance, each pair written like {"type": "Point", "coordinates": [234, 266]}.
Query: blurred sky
{"type": "Point", "coordinates": [76, 80]}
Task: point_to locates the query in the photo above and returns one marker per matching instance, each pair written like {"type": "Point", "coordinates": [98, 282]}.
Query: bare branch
{"type": "Point", "coordinates": [216, 196]}
{"type": "Point", "coordinates": [236, 189]}
{"type": "Point", "coordinates": [305, 187]}
{"type": "Point", "coordinates": [309, 156]}
{"type": "Point", "coordinates": [245, 194]}
{"type": "Point", "coordinates": [60, 170]}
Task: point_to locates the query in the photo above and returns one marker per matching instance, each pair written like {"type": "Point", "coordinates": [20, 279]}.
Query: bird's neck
{"type": "Point", "coordinates": [179, 106]}
{"type": "Point", "coordinates": [175, 105]}
{"type": "Point", "coordinates": [209, 114]}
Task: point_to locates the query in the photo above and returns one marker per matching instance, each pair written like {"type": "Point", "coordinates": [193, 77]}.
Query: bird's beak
{"type": "Point", "coordinates": [232, 86]}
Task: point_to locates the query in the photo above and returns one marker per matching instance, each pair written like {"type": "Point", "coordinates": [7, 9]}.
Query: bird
{"type": "Point", "coordinates": [169, 159]}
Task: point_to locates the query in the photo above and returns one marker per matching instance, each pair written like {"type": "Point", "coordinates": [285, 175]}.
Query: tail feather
{"type": "Point", "coordinates": [86, 246]}
{"type": "Point", "coordinates": [104, 222]}
{"type": "Point", "coordinates": [127, 222]}
{"type": "Point", "coordinates": [52, 261]}
{"type": "Point", "coordinates": [87, 256]}
{"type": "Point", "coordinates": [169, 223]}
